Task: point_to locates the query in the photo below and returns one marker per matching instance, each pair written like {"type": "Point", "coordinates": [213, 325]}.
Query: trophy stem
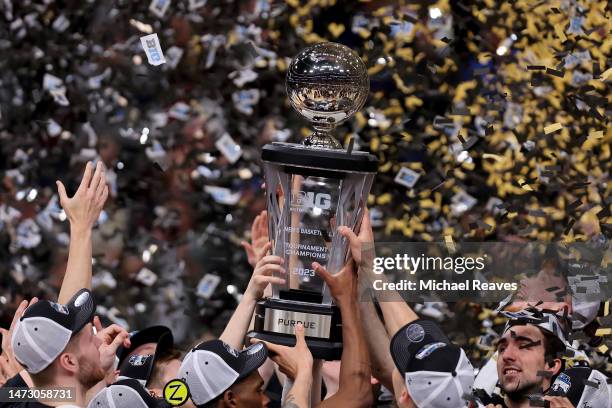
{"type": "Point", "coordinates": [322, 138]}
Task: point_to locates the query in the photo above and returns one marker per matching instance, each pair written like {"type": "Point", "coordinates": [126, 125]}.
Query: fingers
{"type": "Point", "coordinates": [322, 272]}
{"type": "Point", "coordinates": [365, 222]}
{"type": "Point", "coordinates": [86, 177]}
{"type": "Point", "coordinates": [98, 178]}
{"type": "Point", "coordinates": [120, 339]}
{"type": "Point", "coordinates": [272, 348]}
{"type": "Point", "coordinates": [101, 187]}
{"type": "Point", "coordinates": [97, 324]}
{"type": "Point", "coordinates": [354, 242]}
{"type": "Point", "coordinates": [559, 402]}
{"type": "Point", "coordinates": [104, 196]}
{"type": "Point", "coordinates": [112, 330]}
{"type": "Point", "coordinates": [270, 259]}
{"type": "Point", "coordinates": [300, 338]}
{"type": "Point", "coordinates": [61, 190]}
{"type": "Point", "coordinates": [262, 227]}
{"type": "Point", "coordinates": [247, 247]}
{"type": "Point", "coordinates": [20, 309]}
{"type": "Point", "coordinates": [5, 369]}
{"type": "Point", "coordinates": [254, 227]}
{"type": "Point", "coordinates": [266, 248]}
{"type": "Point", "coordinates": [268, 269]}
{"type": "Point", "coordinates": [6, 341]}
{"type": "Point", "coordinates": [261, 280]}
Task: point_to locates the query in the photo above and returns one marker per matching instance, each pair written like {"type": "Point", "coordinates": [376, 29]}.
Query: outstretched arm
{"type": "Point", "coordinates": [238, 325]}
{"type": "Point", "coordinates": [396, 314]}
{"type": "Point", "coordinates": [82, 210]}
{"type": "Point", "coordinates": [355, 389]}
{"type": "Point", "coordinates": [378, 344]}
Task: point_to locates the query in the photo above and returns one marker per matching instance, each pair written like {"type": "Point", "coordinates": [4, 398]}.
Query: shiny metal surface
{"type": "Point", "coordinates": [283, 321]}
{"type": "Point", "coordinates": [327, 83]}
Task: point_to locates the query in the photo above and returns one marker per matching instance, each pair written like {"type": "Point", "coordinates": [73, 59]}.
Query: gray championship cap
{"type": "Point", "coordinates": [45, 329]}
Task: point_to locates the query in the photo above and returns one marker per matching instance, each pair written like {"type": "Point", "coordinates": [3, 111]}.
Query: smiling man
{"type": "Point", "coordinates": [529, 356]}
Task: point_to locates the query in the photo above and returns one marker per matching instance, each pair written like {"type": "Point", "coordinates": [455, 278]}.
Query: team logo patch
{"type": "Point", "coordinates": [230, 349]}
{"type": "Point", "coordinates": [83, 297]}
{"type": "Point", "coordinates": [428, 349]}
{"type": "Point", "coordinates": [254, 349]}
{"type": "Point", "coordinates": [415, 333]}
{"type": "Point", "coordinates": [562, 384]}
{"type": "Point", "coordinates": [138, 360]}
{"type": "Point", "coordinates": [59, 308]}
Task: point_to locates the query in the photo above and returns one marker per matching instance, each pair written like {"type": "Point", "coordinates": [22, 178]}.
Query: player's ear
{"type": "Point", "coordinates": [229, 399]}
{"type": "Point", "coordinates": [555, 365]}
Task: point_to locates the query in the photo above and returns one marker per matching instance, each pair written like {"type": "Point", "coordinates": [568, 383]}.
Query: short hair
{"type": "Point", "coordinates": [553, 349]}
{"type": "Point", "coordinates": [155, 381]}
{"type": "Point", "coordinates": [47, 376]}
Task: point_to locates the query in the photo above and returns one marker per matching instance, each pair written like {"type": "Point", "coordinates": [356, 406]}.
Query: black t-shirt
{"type": "Point", "coordinates": [18, 382]}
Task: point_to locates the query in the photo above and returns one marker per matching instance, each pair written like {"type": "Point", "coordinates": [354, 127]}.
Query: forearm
{"type": "Point", "coordinates": [298, 396]}
{"type": "Point", "coordinates": [355, 372]}
{"type": "Point", "coordinates": [315, 393]}
{"type": "Point", "coordinates": [78, 269]}
{"type": "Point", "coordinates": [237, 327]}
{"type": "Point", "coordinates": [377, 342]}
{"type": "Point", "coordinates": [395, 310]}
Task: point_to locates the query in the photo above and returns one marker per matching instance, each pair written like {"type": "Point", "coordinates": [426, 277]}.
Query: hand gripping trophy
{"type": "Point", "coordinates": [311, 190]}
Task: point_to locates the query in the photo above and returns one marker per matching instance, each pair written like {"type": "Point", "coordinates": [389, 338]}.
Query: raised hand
{"type": "Point", "coordinates": [83, 209]}
{"type": "Point", "coordinates": [291, 360]}
{"type": "Point", "coordinates": [366, 236]}
{"type": "Point", "coordinates": [343, 285]}
{"type": "Point", "coordinates": [111, 337]}
{"type": "Point", "coordinates": [263, 274]}
{"type": "Point", "coordinates": [9, 366]}
{"type": "Point", "coordinates": [259, 238]}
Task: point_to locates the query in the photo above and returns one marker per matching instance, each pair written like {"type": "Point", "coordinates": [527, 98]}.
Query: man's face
{"type": "Point", "coordinates": [521, 356]}
{"type": "Point", "coordinates": [249, 393]}
{"type": "Point", "coordinates": [88, 356]}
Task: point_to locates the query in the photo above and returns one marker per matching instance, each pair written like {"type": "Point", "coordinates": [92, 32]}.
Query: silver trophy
{"type": "Point", "coordinates": [311, 190]}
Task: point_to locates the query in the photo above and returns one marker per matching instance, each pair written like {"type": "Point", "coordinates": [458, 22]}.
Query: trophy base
{"type": "Point", "coordinates": [275, 320]}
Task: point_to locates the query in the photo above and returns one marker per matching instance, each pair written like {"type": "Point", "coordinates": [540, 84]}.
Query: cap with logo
{"type": "Point", "coordinates": [46, 327]}
{"type": "Point", "coordinates": [549, 322]}
{"type": "Point", "coordinates": [584, 387]}
{"type": "Point", "coordinates": [127, 393]}
{"type": "Point", "coordinates": [438, 374]}
{"type": "Point", "coordinates": [138, 367]}
{"type": "Point", "coordinates": [160, 335]}
{"type": "Point", "coordinates": [214, 366]}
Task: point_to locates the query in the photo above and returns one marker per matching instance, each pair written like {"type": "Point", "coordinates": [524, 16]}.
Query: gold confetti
{"type": "Point", "coordinates": [552, 128]}
{"type": "Point", "coordinates": [450, 244]}
{"type": "Point", "coordinates": [559, 32]}
{"type": "Point", "coordinates": [604, 332]}
{"type": "Point", "coordinates": [336, 29]}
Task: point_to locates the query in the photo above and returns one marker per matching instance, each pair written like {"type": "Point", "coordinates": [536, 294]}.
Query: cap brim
{"type": "Point", "coordinates": [84, 307]}
{"type": "Point", "coordinates": [161, 335]}
{"type": "Point", "coordinates": [255, 355]}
